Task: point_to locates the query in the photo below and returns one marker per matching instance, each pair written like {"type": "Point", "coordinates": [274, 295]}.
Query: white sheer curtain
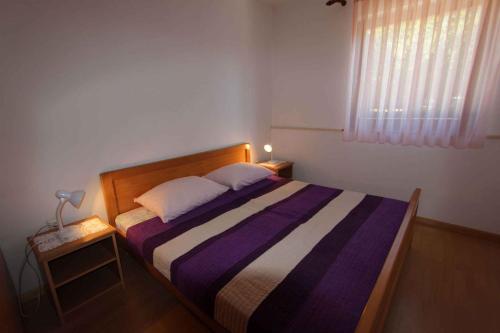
{"type": "Point", "coordinates": [423, 72]}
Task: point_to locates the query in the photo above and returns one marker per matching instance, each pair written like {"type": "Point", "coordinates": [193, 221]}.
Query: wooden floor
{"type": "Point", "coordinates": [449, 283]}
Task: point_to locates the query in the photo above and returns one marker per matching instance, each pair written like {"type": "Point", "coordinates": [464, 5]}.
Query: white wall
{"type": "Point", "coordinates": [88, 86]}
{"type": "Point", "coordinates": [310, 73]}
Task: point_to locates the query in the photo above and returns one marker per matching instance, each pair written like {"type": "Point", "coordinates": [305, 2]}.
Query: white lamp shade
{"type": "Point", "coordinates": [75, 197]}
{"type": "Point", "coordinates": [268, 148]}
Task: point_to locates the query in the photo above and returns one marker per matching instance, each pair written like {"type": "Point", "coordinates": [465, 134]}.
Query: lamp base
{"type": "Point", "coordinates": [69, 233]}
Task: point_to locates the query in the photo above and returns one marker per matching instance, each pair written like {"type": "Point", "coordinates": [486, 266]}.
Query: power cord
{"type": "Point", "coordinates": [28, 250]}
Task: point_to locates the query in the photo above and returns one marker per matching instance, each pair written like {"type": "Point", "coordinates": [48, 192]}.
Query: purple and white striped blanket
{"type": "Point", "coordinates": [276, 256]}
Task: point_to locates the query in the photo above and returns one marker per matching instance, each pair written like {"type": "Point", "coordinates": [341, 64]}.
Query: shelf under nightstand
{"type": "Point", "coordinates": [81, 291]}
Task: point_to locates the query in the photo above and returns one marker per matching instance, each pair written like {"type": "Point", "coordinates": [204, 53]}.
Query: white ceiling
{"type": "Point", "coordinates": [273, 2]}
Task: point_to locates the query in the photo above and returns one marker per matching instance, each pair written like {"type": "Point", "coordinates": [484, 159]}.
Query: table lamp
{"type": "Point", "coordinates": [75, 198]}
{"type": "Point", "coordinates": [268, 148]}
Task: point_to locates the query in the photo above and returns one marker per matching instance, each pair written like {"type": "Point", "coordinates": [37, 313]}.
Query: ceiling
{"type": "Point", "coordinates": [273, 2]}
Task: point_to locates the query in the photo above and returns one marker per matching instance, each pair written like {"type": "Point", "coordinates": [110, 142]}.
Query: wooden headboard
{"type": "Point", "coordinates": [120, 187]}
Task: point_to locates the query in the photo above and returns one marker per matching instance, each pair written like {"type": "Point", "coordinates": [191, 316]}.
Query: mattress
{"type": "Point", "coordinates": [133, 217]}
{"type": "Point", "coordinates": [276, 256]}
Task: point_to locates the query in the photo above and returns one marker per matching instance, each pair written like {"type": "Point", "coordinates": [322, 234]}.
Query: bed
{"type": "Point", "coordinates": [277, 256]}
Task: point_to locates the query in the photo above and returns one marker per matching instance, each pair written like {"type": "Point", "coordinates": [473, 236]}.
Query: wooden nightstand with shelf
{"type": "Point", "coordinates": [283, 169]}
{"type": "Point", "coordinates": [77, 272]}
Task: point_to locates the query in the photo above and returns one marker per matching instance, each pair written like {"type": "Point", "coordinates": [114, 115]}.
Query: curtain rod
{"type": "Point", "coordinates": [308, 128]}
{"type": "Point", "coordinates": [340, 130]}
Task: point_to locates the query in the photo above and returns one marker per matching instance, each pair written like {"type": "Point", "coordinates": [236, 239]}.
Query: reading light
{"type": "Point", "coordinates": [269, 149]}
{"type": "Point", "coordinates": [75, 198]}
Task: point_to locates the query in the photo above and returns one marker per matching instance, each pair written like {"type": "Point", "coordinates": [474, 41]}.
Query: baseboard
{"type": "Point", "coordinates": [458, 229]}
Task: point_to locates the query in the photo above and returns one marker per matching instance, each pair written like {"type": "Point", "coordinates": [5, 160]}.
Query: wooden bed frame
{"type": "Point", "coordinates": [120, 187]}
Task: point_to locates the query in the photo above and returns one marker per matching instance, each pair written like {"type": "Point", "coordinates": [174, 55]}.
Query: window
{"type": "Point", "coordinates": [419, 71]}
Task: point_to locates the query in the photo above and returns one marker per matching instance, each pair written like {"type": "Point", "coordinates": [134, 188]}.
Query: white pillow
{"type": "Point", "coordinates": [239, 175]}
{"type": "Point", "coordinates": [178, 196]}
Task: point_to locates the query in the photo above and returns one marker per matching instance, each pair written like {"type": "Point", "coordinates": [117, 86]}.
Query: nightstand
{"type": "Point", "coordinates": [284, 169]}
{"type": "Point", "coordinates": [80, 271]}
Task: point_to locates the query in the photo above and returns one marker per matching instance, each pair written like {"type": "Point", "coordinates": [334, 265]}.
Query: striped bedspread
{"type": "Point", "coordinates": [276, 256]}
